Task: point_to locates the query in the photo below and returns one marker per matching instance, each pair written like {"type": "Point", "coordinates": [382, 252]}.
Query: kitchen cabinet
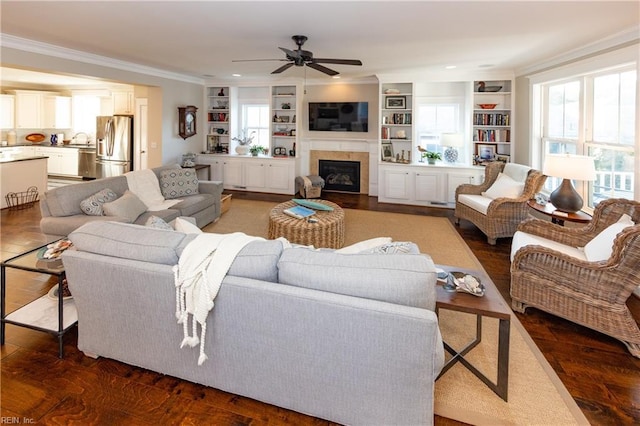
{"type": "Point", "coordinates": [61, 161]}
{"type": "Point", "coordinates": [57, 112]}
{"type": "Point", "coordinates": [123, 102]}
{"type": "Point", "coordinates": [29, 110]}
{"type": "Point", "coordinates": [7, 111]}
{"type": "Point", "coordinates": [41, 110]}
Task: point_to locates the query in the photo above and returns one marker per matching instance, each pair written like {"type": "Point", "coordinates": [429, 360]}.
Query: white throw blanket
{"type": "Point", "coordinates": [198, 275]}
{"type": "Point", "coordinates": [144, 183]}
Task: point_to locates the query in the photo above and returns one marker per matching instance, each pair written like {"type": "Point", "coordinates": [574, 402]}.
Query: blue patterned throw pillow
{"type": "Point", "coordinates": [176, 183]}
{"type": "Point", "coordinates": [92, 206]}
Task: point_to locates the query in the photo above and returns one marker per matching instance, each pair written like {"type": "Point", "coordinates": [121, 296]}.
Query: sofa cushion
{"type": "Point", "coordinates": [128, 206]}
{"type": "Point", "coordinates": [65, 200]}
{"type": "Point", "coordinates": [188, 206]}
{"type": "Point", "coordinates": [158, 223]}
{"type": "Point", "coordinates": [479, 203]}
{"type": "Point", "coordinates": [185, 226]}
{"type": "Point", "coordinates": [504, 186]}
{"type": "Point", "coordinates": [176, 183]}
{"type": "Point", "coordinates": [92, 205]}
{"type": "Point", "coordinates": [129, 241]}
{"type": "Point", "coordinates": [406, 279]}
{"type": "Point", "coordinates": [258, 260]}
{"type": "Point", "coordinates": [601, 246]}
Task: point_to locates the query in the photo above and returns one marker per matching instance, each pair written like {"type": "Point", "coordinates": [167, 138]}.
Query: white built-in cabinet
{"type": "Point", "coordinates": [258, 174]}
{"type": "Point", "coordinates": [424, 185]}
{"type": "Point", "coordinates": [57, 112]}
{"type": "Point", "coordinates": [284, 120]}
{"type": "Point", "coordinates": [7, 111]}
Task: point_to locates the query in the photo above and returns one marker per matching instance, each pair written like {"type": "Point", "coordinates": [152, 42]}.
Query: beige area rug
{"type": "Point", "coordinates": [536, 394]}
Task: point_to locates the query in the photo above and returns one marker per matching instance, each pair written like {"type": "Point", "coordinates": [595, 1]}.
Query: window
{"type": "Point", "coordinates": [255, 118]}
{"type": "Point", "coordinates": [437, 116]}
{"type": "Point", "coordinates": [594, 115]}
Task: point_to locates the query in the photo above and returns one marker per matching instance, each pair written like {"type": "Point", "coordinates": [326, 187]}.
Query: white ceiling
{"type": "Point", "coordinates": [201, 38]}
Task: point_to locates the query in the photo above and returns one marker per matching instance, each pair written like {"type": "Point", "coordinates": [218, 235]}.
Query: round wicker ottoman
{"type": "Point", "coordinates": [327, 232]}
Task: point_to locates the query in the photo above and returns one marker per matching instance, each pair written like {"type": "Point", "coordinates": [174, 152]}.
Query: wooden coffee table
{"type": "Point", "coordinates": [326, 232]}
{"type": "Point", "coordinates": [490, 305]}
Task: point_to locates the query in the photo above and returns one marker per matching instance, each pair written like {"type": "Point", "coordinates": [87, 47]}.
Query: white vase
{"type": "Point", "coordinates": [242, 149]}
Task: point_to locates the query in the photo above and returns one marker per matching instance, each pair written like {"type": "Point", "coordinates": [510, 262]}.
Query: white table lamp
{"type": "Point", "coordinates": [568, 167]}
{"type": "Point", "coordinates": [452, 141]}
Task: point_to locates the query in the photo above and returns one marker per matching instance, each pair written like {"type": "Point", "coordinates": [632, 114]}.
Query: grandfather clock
{"type": "Point", "coordinates": [187, 121]}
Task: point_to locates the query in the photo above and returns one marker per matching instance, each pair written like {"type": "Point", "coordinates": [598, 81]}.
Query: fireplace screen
{"type": "Point", "coordinates": [340, 175]}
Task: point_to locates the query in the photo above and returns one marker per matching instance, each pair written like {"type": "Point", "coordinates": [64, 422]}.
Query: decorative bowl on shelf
{"type": "Point", "coordinates": [487, 106]}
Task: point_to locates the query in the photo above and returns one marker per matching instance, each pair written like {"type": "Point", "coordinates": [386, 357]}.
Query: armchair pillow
{"type": "Point", "coordinates": [504, 186]}
{"type": "Point", "coordinates": [128, 206]}
{"type": "Point", "coordinates": [601, 246]}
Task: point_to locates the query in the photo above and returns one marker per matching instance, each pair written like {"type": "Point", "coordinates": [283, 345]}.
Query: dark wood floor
{"type": "Point", "coordinates": [597, 370]}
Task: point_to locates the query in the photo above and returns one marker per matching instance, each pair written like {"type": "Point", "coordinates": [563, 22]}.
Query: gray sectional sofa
{"type": "Point", "coordinates": [61, 212]}
{"type": "Point", "coordinates": [350, 338]}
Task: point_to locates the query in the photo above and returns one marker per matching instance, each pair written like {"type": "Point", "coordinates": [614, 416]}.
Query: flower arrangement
{"type": "Point", "coordinates": [246, 139]}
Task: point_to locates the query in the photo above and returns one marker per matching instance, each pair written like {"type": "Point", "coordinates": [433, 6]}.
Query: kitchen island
{"type": "Point", "coordinates": [19, 172]}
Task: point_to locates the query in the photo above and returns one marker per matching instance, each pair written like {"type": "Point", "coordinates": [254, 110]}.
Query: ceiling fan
{"type": "Point", "coordinates": [301, 58]}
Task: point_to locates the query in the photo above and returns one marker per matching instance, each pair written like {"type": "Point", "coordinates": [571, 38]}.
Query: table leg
{"type": "Point", "coordinates": [60, 316]}
{"type": "Point", "coordinates": [502, 382]}
{"type": "Point", "coordinates": [3, 288]}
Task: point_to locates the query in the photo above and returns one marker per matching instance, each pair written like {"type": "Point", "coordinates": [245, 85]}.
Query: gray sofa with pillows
{"type": "Point", "coordinates": [66, 208]}
{"type": "Point", "coordinates": [350, 338]}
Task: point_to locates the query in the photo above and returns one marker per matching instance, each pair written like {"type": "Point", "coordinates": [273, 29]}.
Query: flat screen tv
{"type": "Point", "coordinates": [339, 116]}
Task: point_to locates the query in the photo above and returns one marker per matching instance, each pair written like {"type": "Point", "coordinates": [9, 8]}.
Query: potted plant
{"type": "Point", "coordinates": [431, 156]}
{"type": "Point", "coordinates": [256, 149]}
{"type": "Point", "coordinates": [244, 142]}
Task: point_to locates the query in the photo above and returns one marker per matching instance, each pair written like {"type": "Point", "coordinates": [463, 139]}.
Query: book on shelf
{"type": "Point", "coordinates": [299, 212]}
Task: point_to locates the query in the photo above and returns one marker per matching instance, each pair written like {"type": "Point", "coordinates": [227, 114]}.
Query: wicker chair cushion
{"type": "Point", "coordinates": [522, 239]}
{"type": "Point", "coordinates": [479, 203]}
{"type": "Point", "coordinates": [504, 186]}
{"type": "Point", "coordinates": [517, 172]}
{"type": "Point", "coordinates": [601, 246]}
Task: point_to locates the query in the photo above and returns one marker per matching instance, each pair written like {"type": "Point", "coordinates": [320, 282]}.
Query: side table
{"type": "Point", "coordinates": [327, 231]}
{"type": "Point", "coordinates": [490, 305]}
{"type": "Point", "coordinates": [43, 314]}
{"type": "Point", "coordinates": [557, 216]}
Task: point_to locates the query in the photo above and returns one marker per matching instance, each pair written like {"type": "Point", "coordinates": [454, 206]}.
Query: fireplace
{"type": "Point", "coordinates": [340, 175]}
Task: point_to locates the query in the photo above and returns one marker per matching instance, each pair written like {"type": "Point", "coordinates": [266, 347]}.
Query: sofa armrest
{"type": "Point", "coordinates": [211, 187]}
{"type": "Point", "coordinates": [570, 236]}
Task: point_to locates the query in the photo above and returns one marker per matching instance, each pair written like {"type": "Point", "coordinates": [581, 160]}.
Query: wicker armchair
{"type": "Point", "coordinates": [593, 294]}
{"type": "Point", "coordinates": [503, 215]}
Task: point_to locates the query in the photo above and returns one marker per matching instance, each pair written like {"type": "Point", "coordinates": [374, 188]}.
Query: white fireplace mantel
{"type": "Point", "coordinates": [369, 146]}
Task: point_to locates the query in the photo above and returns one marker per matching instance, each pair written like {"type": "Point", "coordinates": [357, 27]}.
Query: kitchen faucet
{"type": "Point", "coordinates": [75, 137]}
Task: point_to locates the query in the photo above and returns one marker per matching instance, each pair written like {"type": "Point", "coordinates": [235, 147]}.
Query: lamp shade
{"type": "Point", "coordinates": [451, 139]}
{"type": "Point", "coordinates": [567, 166]}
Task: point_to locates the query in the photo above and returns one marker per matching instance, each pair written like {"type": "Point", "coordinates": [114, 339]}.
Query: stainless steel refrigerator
{"type": "Point", "coordinates": [114, 145]}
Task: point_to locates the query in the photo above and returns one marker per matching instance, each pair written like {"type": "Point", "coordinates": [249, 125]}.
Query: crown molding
{"type": "Point", "coordinates": [32, 46]}
{"type": "Point", "coordinates": [624, 38]}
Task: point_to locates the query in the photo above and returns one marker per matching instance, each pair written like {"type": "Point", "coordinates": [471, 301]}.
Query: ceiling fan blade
{"type": "Point", "coordinates": [290, 53]}
{"type": "Point", "coordinates": [257, 60]}
{"type": "Point", "coordinates": [320, 68]}
{"type": "Point", "coordinates": [283, 68]}
{"type": "Point", "coordinates": [337, 61]}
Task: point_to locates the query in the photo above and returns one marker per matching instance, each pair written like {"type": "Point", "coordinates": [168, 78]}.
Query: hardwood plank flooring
{"type": "Point", "coordinates": [600, 374]}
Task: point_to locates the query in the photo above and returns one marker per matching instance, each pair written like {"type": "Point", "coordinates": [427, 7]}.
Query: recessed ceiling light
{"type": "Point", "coordinates": [336, 76]}
{"type": "Point", "coordinates": [450, 67]}
{"type": "Point", "coordinates": [237, 75]}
